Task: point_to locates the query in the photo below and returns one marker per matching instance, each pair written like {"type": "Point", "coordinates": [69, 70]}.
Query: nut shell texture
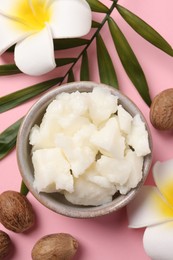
{"type": "Point", "coordinates": [5, 244]}
{"type": "Point", "coordinates": [161, 112]}
{"type": "Point", "coordinates": [60, 246]}
{"type": "Point", "coordinates": [16, 213]}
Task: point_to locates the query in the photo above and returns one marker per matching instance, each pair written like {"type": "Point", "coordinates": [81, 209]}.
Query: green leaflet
{"type": "Point", "coordinates": [145, 30]}
{"type": "Point", "coordinates": [23, 189]}
{"type": "Point", "coordinates": [97, 6]}
{"type": "Point", "coordinates": [70, 77]}
{"type": "Point", "coordinates": [16, 98]}
{"type": "Point", "coordinates": [95, 24]}
{"type": "Point", "coordinates": [9, 69]}
{"type": "Point", "coordinates": [129, 61]}
{"type": "Point", "coordinates": [105, 65]}
{"type": "Point", "coordinates": [63, 44]}
{"type": "Point", "coordinates": [64, 61]}
{"type": "Point", "coordinates": [84, 72]}
{"type": "Point", "coordinates": [8, 138]}
{"type": "Point", "coordinates": [11, 49]}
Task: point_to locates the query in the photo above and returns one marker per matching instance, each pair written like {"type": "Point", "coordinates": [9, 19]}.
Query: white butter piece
{"type": "Point", "coordinates": [138, 137]}
{"type": "Point", "coordinates": [101, 105]}
{"type": "Point", "coordinates": [109, 140]}
{"type": "Point", "coordinates": [51, 171]}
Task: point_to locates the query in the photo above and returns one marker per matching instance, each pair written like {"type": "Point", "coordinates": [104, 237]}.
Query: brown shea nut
{"type": "Point", "coordinates": [161, 111]}
{"type": "Point", "coordinates": [60, 246]}
{"type": "Point", "coordinates": [5, 244]}
{"type": "Point", "coordinates": [16, 211]}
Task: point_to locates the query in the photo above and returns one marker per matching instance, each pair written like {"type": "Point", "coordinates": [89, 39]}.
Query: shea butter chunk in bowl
{"type": "Point", "coordinates": [84, 149]}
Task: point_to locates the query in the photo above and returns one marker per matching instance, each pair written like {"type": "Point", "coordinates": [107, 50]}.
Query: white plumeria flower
{"type": "Point", "coordinates": [153, 208]}
{"type": "Point", "coordinates": [33, 24]}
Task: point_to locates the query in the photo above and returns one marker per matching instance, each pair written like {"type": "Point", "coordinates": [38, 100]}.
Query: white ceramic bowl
{"type": "Point", "coordinates": [56, 201]}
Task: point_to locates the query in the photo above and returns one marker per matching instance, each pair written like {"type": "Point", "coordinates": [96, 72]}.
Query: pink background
{"type": "Point", "coordinates": [106, 237]}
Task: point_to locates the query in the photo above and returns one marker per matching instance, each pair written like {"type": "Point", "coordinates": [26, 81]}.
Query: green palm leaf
{"type": "Point", "coordinates": [145, 30]}
{"type": "Point", "coordinates": [105, 65]}
{"type": "Point", "coordinates": [70, 77]}
{"type": "Point", "coordinates": [63, 44]}
{"type": "Point", "coordinates": [8, 138]}
{"type": "Point", "coordinates": [23, 189]}
{"type": "Point", "coordinates": [129, 61]}
{"type": "Point", "coordinates": [97, 6]}
{"type": "Point", "coordinates": [84, 72]}
{"type": "Point", "coordinates": [16, 98]}
{"type": "Point", "coordinates": [64, 61]}
{"type": "Point", "coordinates": [11, 69]}
{"type": "Point", "coordinates": [95, 24]}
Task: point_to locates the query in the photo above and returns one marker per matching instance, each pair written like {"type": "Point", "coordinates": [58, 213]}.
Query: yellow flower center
{"type": "Point", "coordinates": [163, 208]}
{"type": "Point", "coordinates": [167, 190]}
{"type": "Point", "coordinates": [33, 14]}
{"type": "Point", "coordinates": [165, 205]}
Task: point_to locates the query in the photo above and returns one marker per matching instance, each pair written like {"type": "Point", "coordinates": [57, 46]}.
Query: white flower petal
{"type": "Point", "coordinates": [35, 55]}
{"type": "Point", "coordinates": [6, 7]}
{"type": "Point", "coordinates": [163, 176]}
{"type": "Point", "coordinates": [158, 241]}
{"type": "Point", "coordinates": [148, 208]}
{"type": "Point", "coordinates": [11, 32]}
{"type": "Point", "coordinates": [70, 18]}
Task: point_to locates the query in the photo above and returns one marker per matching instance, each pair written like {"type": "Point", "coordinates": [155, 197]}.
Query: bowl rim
{"type": "Point", "coordinates": [21, 152]}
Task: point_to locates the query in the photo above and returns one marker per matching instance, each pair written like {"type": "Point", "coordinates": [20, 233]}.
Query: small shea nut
{"type": "Point", "coordinates": [161, 111]}
{"type": "Point", "coordinates": [5, 244]}
{"type": "Point", "coordinates": [61, 246]}
{"type": "Point", "coordinates": [16, 212]}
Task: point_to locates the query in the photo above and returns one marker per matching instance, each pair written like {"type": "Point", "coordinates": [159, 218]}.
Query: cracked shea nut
{"type": "Point", "coordinates": [5, 244]}
{"type": "Point", "coordinates": [161, 111]}
{"type": "Point", "coordinates": [60, 246]}
{"type": "Point", "coordinates": [16, 213]}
